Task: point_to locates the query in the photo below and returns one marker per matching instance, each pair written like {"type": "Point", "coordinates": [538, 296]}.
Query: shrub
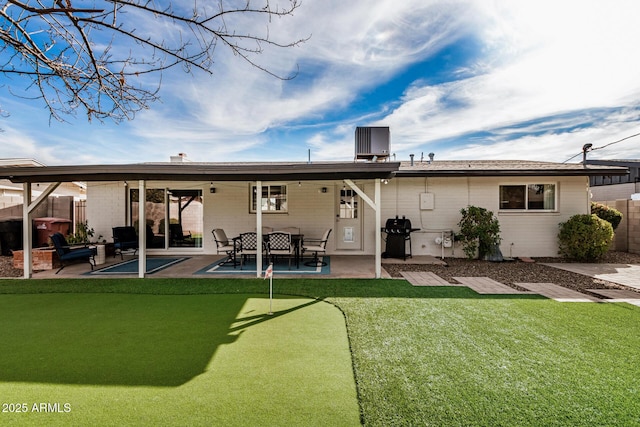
{"type": "Point", "coordinates": [585, 237]}
{"type": "Point", "coordinates": [479, 231]}
{"type": "Point", "coordinates": [607, 213]}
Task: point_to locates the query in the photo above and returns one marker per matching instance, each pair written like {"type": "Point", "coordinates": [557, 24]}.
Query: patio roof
{"type": "Point", "coordinates": [202, 172]}
{"type": "Point", "coordinates": [283, 171]}
{"type": "Point", "coordinates": [451, 168]}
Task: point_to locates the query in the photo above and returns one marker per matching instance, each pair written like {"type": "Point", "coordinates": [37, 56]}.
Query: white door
{"type": "Point", "coordinates": [348, 220]}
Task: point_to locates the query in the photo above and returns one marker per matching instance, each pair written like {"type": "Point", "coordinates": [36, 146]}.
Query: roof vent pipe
{"type": "Point", "coordinates": [431, 156]}
{"type": "Point", "coordinates": [585, 148]}
{"type": "Point", "coordinates": [411, 155]}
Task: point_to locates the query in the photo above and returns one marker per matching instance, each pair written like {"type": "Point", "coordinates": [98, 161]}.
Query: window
{"type": "Point", "coordinates": [274, 198]}
{"type": "Point", "coordinates": [348, 204]}
{"type": "Point", "coordinates": [528, 197]}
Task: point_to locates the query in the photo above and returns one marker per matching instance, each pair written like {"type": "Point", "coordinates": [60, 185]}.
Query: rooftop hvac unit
{"type": "Point", "coordinates": [372, 143]}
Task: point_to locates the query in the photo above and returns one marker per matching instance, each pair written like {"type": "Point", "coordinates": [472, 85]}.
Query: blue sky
{"type": "Point", "coordinates": [503, 79]}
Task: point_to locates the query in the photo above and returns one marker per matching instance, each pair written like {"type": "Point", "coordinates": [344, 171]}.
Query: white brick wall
{"type": "Point", "coordinates": [524, 234]}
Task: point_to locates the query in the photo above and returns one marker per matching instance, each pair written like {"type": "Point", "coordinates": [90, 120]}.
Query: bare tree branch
{"type": "Point", "coordinates": [71, 51]}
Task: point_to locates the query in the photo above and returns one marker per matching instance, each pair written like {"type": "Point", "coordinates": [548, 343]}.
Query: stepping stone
{"type": "Point", "coordinates": [618, 295]}
{"type": "Point", "coordinates": [425, 278]}
{"type": "Point", "coordinates": [558, 293]}
{"type": "Point", "coordinates": [486, 285]}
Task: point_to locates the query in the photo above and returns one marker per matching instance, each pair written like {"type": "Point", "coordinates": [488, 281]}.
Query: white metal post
{"type": "Point", "coordinates": [377, 229]}
{"type": "Point", "coordinates": [259, 228]}
{"type": "Point", "coordinates": [142, 229]}
{"type": "Point", "coordinates": [27, 231]}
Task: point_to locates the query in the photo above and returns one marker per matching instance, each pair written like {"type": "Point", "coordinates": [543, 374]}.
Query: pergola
{"type": "Point", "coordinates": [258, 173]}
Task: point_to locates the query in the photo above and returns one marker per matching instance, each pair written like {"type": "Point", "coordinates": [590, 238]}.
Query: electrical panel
{"type": "Point", "coordinates": [427, 201]}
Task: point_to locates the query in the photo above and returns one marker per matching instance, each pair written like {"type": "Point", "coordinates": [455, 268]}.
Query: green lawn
{"type": "Point", "coordinates": [422, 356]}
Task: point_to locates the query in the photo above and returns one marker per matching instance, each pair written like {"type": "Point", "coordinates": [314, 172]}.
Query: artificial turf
{"type": "Point", "coordinates": [442, 355]}
{"type": "Point", "coordinates": [123, 359]}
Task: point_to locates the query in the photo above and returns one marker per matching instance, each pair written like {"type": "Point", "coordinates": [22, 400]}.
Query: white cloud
{"type": "Point", "coordinates": [544, 66]}
{"type": "Point", "coordinates": [563, 57]}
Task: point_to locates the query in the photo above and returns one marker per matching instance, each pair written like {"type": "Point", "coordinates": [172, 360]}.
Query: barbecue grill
{"type": "Point", "coordinates": [398, 232]}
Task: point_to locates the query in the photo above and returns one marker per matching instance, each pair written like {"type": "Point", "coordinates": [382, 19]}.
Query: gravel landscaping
{"type": "Point", "coordinates": [6, 267]}
{"type": "Point", "coordinates": [510, 272]}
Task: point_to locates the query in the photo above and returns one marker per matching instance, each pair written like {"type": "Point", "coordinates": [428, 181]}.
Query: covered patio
{"type": "Point", "coordinates": [349, 175]}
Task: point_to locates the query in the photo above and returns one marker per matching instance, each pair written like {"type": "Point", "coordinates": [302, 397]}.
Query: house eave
{"type": "Point", "coordinates": [202, 172]}
{"type": "Point", "coordinates": [510, 173]}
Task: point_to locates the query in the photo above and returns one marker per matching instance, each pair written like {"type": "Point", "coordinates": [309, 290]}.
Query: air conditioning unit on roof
{"type": "Point", "coordinates": [372, 143]}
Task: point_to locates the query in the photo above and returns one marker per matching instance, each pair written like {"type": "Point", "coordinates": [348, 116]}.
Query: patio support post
{"type": "Point", "coordinates": [378, 234]}
{"type": "Point", "coordinates": [28, 206]}
{"type": "Point", "coordinates": [375, 205]}
{"type": "Point", "coordinates": [142, 229]}
{"type": "Point", "coordinates": [259, 228]}
{"type": "Point", "coordinates": [27, 231]}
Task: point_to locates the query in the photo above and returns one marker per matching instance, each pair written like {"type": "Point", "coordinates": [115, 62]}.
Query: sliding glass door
{"type": "Point", "coordinates": [173, 217]}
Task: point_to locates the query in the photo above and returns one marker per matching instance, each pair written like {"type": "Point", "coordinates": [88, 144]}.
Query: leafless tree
{"type": "Point", "coordinates": [96, 55]}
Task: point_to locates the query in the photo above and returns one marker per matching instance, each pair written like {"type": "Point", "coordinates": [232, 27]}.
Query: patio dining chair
{"type": "Point", "coordinates": [317, 246]}
{"type": "Point", "coordinates": [224, 245]}
{"type": "Point", "coordinates": [279, 244]}
{"type": "Point", "coordinates": [249, 246]}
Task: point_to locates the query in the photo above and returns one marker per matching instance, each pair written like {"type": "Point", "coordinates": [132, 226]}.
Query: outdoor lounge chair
{"type": "Point", "coordinates": [279, 244]}
{"type": "Point", "coordinates": [124, 239]}
{"type": "Point", "coordinates": [224, 245]}
{"type": "Point", "coordinates": [67, 254]}
{"type": "Point", "coordinates": [316, 246]}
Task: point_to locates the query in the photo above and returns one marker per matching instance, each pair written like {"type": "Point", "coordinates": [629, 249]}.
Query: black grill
{"type": "Point", "coordinates": [398, 232]}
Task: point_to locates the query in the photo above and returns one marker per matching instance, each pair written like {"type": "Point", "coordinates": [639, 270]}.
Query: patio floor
{"type": "Point", "coordinates": [342, 266]}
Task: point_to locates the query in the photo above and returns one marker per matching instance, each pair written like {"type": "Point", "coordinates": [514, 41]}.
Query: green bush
{"type": "Point", "coordinates": [607, 213]}
{"type": "Point", "coordinates": [585, 238]}
{"type": "Point", "coordinates": [479, 231]}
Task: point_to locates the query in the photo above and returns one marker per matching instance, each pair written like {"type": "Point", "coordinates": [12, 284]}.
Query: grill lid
{"type": "Point", "coordinates": [398, 225]}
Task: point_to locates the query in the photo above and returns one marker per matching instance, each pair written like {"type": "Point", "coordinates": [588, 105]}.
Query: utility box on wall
{"type": "Point", "coordinates": [427, 201]}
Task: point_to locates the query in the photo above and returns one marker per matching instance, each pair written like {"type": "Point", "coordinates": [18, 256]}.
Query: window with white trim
{"type": "Point", "coordinates": [528, 197]}
{"type": "Point", "coordinates": [274, 198]}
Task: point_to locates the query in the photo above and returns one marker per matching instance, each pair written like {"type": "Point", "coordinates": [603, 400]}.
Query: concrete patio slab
{"type": "Point", "coordinates": [486, 285]}
{"type": "Point", "coordinates": [558, 293]}
{"type": "Point", "coordinates": [618, 295]}
{"type": "Point", "coordinates": [425, 278]}
{"type": "Point", "coordinates": [418, 259]}
{"type": "Point", "coordinates": [623, 274]}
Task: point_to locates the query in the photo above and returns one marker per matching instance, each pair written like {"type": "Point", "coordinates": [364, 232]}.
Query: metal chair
{"type": "Point", "coordinates": [248, 246]}
{"type": "Point", "coordinates": [223, 245]}
{"type": "Point", "coordinates": [67, 253]}
{"type": "Point", "coordinates": [279, 244]}
{"type": "Point", "coordinates": [317, 246]}
{"type": "Point", "coordinates": [124, 238]}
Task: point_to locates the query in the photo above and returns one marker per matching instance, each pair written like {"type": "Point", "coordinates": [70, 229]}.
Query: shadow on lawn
{"type": "Point", "coordinates": [106, 339]}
